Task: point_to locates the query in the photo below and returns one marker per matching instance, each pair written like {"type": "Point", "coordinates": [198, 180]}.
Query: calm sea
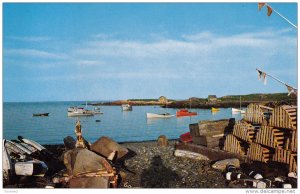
{"type": "Point", "coordinates": [118, 125]}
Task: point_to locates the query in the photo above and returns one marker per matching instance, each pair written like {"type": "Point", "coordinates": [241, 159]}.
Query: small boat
{"type": "Point", "coordinates": [126, 107]}
{"type": "Point", "coordinates": [97, 110]}
{"type": "Point", "coordinates": [41, 114]}
{"type": "Point", "coordinates": [17, 160]}
{"type": "Point", "coordinates": [215, 109]}
{"type": "Point", "coordinates": [185, 112]}
{"type": "Point", "coordinates": [32, 143]}
{"type": "Point", "coordinates": [16, 148]}
{"type": "Point", "coordinates": [186, 137]}
{"type": "Point", "coordinates": [236, 111]}
{"type": "Point", "coordinates": [164, 115]}
{"type": "Point", "coordinates": [76, 111]}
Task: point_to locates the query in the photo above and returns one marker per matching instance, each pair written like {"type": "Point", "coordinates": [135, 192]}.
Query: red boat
{"type": "Point", "coordinates": [185, 112]}
{"type": "Point", "coordinates": [186, 137]}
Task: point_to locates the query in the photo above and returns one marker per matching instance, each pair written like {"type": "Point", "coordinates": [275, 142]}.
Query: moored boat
{"type": "Point", "coordinates": [185, 112]}
{"type": "Point", "coordinates": [40, 114]}
{"type": "Point", "coordinates": [97, 110]}
{"type": "Point", "coordinates": [215, 109]}
{"type": "Point", "coordinates": [126, 107]}
{"type": "Point", "coordinates": [237, 111]}
{"type": "Point", "coordinates": [76, 111]}
{"type": "Point", "coordinates": [164, 115]}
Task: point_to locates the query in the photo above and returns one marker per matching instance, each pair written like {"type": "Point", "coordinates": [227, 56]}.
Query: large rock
{"type": "Point", "coordinates": [78, 161]}
{"type": "Point", "coordinates": [105, 146]}
{"type": "Point", "coordinates": [89, 182]}
{"type": "Point", "coordinates": [188, 154]}
{"type": "Point", "coordinates": [222, 164]}
{"type": "Point", "coordinates": [69, 142]}
{"type": "Point", "coordinates": [162, 141]}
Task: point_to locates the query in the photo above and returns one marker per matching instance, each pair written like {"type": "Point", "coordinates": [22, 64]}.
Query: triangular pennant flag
{"type": "Point", "coordinates": [291, 90]}
{"type": "Point", "coordinates": [259, 74]}
{"type": "Point", "coordinates": [260, 5]}
{"type": "Point", "coordinates": [269, 10]}
{"type": "Point", "coordinates": [264, 77]}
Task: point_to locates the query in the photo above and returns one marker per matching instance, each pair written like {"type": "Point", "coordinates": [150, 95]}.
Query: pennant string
{"type": "Point", "coordinates": [270, 11]}
{"type": "Point", "coordinates": [264, 75]}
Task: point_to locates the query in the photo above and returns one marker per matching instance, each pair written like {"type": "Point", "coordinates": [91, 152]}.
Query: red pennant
{"type": "Point", "coordinates": [269, 10]}
{"type": "Point", "coordinates": [260, 5]}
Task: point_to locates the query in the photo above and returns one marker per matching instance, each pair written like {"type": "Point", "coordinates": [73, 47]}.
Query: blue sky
{"type": "Point", "coordinates": [108, 51]}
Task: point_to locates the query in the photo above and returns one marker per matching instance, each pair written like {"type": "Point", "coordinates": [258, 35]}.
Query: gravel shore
{"type": "Point", "coordinates": [157, 167]}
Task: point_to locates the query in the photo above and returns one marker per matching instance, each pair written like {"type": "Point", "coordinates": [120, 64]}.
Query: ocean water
{"type": "Point", "coordinates": [114, 123]}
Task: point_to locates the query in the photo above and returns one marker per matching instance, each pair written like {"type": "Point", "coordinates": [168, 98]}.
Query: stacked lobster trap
{"type": "Point", "coordinates": [266, 134]}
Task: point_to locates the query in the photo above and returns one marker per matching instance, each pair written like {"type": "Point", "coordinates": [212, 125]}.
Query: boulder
{"type": "Point", "coordinates": [69, 142]}
{"type": "Point", "coordinates": [106, 146]}
{"type": "Point", "coordinates": [188, 154]}
{"type": "Point", "coordinates": [162, 141]}
{"type": "Point", "coordinates": [89, 182]}
{"type": "Point", "coordinates": [222, 164]}
{"type": "Point", "coordinates": [78, 161]}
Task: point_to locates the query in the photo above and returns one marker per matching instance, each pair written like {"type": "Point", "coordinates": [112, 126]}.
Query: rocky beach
{"type": "Point", "coordinates": [152, 166]}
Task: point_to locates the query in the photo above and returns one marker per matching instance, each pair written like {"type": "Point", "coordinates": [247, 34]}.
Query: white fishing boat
{"type": "Point", "coordinates": [164, 115]}
{"type": "Point", "coordinates": [236, 110]}
{"type": "Point", "coordinates": [126, 107]}
{"type": "Point", "coordinates": [76, 111]}
{"type": "Point", "coordinates": [97, 110]}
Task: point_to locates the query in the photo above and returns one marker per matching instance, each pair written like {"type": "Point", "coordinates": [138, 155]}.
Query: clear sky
{"type": "Point", "coordinates": [109, 51]}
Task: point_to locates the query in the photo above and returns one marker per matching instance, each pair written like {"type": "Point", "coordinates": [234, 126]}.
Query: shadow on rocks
{"type": "Point", "coordinates": [158, 176]}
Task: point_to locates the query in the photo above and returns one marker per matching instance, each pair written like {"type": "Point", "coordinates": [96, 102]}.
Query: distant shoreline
{"type": "Point", "coordinates": [193, 102]}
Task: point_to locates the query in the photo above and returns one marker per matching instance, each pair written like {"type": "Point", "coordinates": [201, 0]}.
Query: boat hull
{"type": "Point", "coordinates": [41, 115]}
{"type": "Point", "coordinates": [152, 115]}
{"type": "Point", "coordinates": [237, 111]}
{"type": "Point", "coordinates": [74, 114]}
{"type": "Point", "coordinates": [126, 107]}
{"type": "Point", "coordinates": [215, 109]}
{"type": "Point", "coordinates": [184, 113]}
{"type": "Point", "coordinates": [186, 137]}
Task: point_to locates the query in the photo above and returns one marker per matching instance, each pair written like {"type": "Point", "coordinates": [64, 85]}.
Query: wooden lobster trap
{"type": "Point", "coordinates": [244, 131]}
{"type": "Point", "coordinates": [270, 136]}
{"type": "Point", "coordinates": [284, 116]}
{"type": "Point", "coordinates": [258, 152]}
{"type": "Point", "coordinates": [257, 113]}
{"type": "Point", "coordinates": [287, 157]}
{"type": "Point", "coordinates": [233, 145]}
{"type": "Point", "coordinates": [291, 142]}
